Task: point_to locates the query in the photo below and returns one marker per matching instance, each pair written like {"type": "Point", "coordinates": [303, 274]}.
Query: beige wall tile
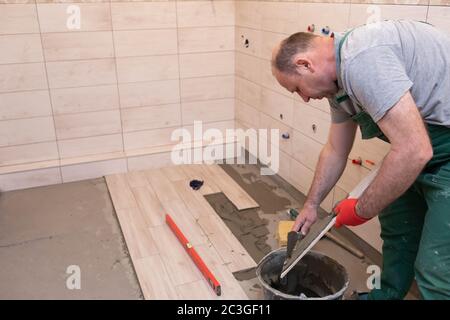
{"type": "Point", "coordinates": [18, 18]}
{"type": "Point", "coordinates": [25, 104]}
{"type": "Point", "coordinates": [206, 64]}
{"type": "Point", "coordinates": [143, 15]}
{"type": "Point", "coordinates": [269, 123]}
{"type": "Point", "coordinates": [147, 68]}
{"type": "Point", "coordinates": [440, 17]}
{"type": "Point", "coordinates": [148, 138]}
{"type": "Point", "coordinates": [53, 17]}
{"type": "Point", "coordinates": [144, 94]}
{"type": "Point", "coordinates": [205, 39]}
{"type": "Point", "coordinates": [277, 106]}
{"type": "Point", "coordinates": [322, 104]}
{"type": "Point", "coordinates": [248, 14]}
{"type": "Point", "coordinates": [268, 41]}
{"type": "Point", "coordinates": [221, 126]}
{"type": "Point", "coordinates": [280, 17]}
{"type": "Point", "coordinates": [306, 117]}
{"type": "Point", "coordinates": [352, 175]}
{"type": "Point", "coordinates": [93, 170]}
{"type": "Point", "coordinates": [439, 2]}
{"type": "Point", "coordinates": [248, 67]}
{"type": "Point", "coordinates": [247, 114]}
{"type": "Point", "coordinates": [269, 81]}
{"type": "Point", "coordinates": [84, 99]}
{"type": "Point", "coordinates": [285, 165]}
{"type": "Point", "coordinates": [81, 73]}
{"type": "Point", "coordinates": [135, 119]}
{"type": "Point", "coordinates": [306, 150]}
{"type": "Point", "coordinates": [301, 176]}
{"type": "Point", "coordinates": [87, 124]}
{"type": "Point", "coordinates": [29, 179]}
{"type": "Point", "coordinates": [28, 153]}
{"type": "Point", "coordinates": [253, 47]}
{"type": "Point", "coordinates": [152, 161]}
{"type": "Point", "coordinates": [205, 13]}
{"type": "Point", "coordinates": [20, 48]}
{"type": "Point", "coordinates": [90, 146]}
{"type": "Point", "coordinates": [25, 131]}
{"type": "Point", "coordinates": [145, 42]}
{"type": "Point", "coordinates": [77, 46]}
{"type": "Point", "coordinates": [208, 111]}
{"type": "Point", "coordinates": [334, 15]}
{"type": "Point", "coordinates": [17, 77]}
{"type": "Point", "coordinates": [360, 13]}
{"type": "Point", "coordinates": [373, 150]}
{"type": "Point", "coordinates": [195, 89]}
{"type": "Point", "coordinates": [248, 92]}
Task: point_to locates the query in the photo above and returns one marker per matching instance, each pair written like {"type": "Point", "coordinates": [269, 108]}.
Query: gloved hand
{"type": "Point", "coordinates": [346, 214]}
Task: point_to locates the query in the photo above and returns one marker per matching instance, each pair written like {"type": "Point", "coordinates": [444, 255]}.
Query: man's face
{"type": "Point", "coordinates": [308, 85]}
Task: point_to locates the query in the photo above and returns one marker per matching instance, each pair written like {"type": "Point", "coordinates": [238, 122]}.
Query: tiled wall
{"type": "Point", "coordinates": [105, 98]}
{"type": "Point", "coordinates": [262, 103]}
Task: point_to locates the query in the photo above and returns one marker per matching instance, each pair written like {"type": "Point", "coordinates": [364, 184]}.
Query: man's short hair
{"type": "Point", "coordinates": [289, 47]}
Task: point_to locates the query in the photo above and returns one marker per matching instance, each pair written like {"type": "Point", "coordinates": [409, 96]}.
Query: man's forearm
{"type": "Point", "coordinates": [397, 173]}
{"type": "Point", "coordinates": [328, 170]}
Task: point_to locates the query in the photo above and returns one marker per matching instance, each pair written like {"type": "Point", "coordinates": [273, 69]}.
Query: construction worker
{"type": "Point", "coordinates": [391, 78]}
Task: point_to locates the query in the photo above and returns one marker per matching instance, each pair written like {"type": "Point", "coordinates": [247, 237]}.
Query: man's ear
{"type": "Point", "coordinates": [303, 65]}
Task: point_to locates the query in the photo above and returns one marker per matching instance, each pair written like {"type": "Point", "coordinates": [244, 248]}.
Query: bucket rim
{"type": "Point", "coordinates": [304, 297]}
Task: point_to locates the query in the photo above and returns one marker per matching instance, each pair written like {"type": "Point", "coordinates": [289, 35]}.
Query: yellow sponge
{"type": "Point", "coordinates": [283, 229]}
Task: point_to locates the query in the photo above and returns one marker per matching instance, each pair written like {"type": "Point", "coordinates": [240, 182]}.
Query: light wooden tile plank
{"type": "Point", "coordinates": [162, 186]}
{"type": "Point", "coordinates": [18, 77]}
{"type": "Point", "coordinates": [152, 161]}
{"type": "Point", "coordinates": [135, 69]}
{"type": "Point", "coordinates": [120, 191]}
{"type": "Point", "coordinates": [81, 125]}
{"type": "Point", "coordinates": [180, 268]}
{"type": "Point", "coordinates": [84, 99]}
{"type": "Point", "coordinates": [20, 48]}
{"type": "Point", "coordinates": [248, 14]}
{"type": "Point", "coordinates": [278, 106]}
{"type": "Point", "coordinates": [25, 131]}
{"type": "Point", "coordinates": [206, 64]}
{"type": "Point", "coordinates": [150, 207]}
{"type": "Point", "coordinates": [18, 18]}
{"type": "Point", "coordinates": [231, 189]}
{"type": "Point", "coordinates": [231, 289]}
{"type": "Point", "coordinates": [53, 17]}
{"type": "Point", "coordinates": [26, 104]}
{"type": "Point", "coordinates": [154, 280]}
{"type": "Point", "coordinates": [154, 117]}
{"type": "Point", "coordinates": [311, 122]}
{"type": "Point", "coordinates": [248, 92]}
{"type": "Point", "coordinates": [77, 45]}
{"type": "Point", "coordinates": [137, 179]}
{"type": "Point", "coordinates": [143, 15]}
{"type": "Point", "coordinates": [137, 235]}
{"type": "Point", "coordinates": [205, 14]}
{"type": "Point", "coordinates": [191, 198]}
{"type": "Point", "coordinates": [144, 94]}
{"type": "Point", "coordinates": [175, 173]}
{"type": "Point", "coordinates": [248, 115]}
{"type": "Point", "coordinates": [253, 46]}
{"type": "Point", "coordinates": [197, 290]}
{"type": "Point", "coordinates": [249, 67]}
{"type": "Point", "coordinates": [63, 74]}
{"type": "Point", "coordinates": [145, 42]}
{"type": "Point", "coordinates": [199, 172]}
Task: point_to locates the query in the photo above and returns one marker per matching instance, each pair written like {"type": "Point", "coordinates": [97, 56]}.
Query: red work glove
{"type": "Point", "coordinates": [346, 214]}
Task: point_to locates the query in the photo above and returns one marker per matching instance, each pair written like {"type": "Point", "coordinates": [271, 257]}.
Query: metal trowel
{"type": "Point", "coordinates": [298, 245]}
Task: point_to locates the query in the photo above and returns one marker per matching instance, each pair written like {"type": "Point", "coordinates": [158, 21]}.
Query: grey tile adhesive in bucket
{"type": "Point", "coordinates": [315, 277]}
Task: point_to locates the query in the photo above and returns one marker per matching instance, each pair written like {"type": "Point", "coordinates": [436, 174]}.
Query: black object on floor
{"type": "Point", "coordinates": [195, 184]}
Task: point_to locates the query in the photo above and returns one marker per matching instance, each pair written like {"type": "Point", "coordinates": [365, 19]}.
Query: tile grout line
{"type": "Point", "coordinates": [117, 84]}
{"type": "Point", "coordinates": [49, 93]}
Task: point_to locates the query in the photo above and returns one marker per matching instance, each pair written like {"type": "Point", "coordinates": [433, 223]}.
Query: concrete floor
{"type": "Point", "coordinates": [45, 230]}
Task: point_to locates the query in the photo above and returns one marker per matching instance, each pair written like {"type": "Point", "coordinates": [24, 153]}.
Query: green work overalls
{"type": "Point", "coordinates": [415, 228]}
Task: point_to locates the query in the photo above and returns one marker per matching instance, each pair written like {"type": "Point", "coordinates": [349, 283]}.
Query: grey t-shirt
{"type": "Point", "coordinates": [381, 62]}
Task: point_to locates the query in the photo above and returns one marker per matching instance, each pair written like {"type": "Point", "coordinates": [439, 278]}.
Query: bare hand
{"type": "Point", "coordinates": [305, 219]}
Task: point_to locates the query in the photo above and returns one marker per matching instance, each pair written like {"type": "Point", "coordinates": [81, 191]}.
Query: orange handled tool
{"type": "Point", "coordinates": [194, 256]}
